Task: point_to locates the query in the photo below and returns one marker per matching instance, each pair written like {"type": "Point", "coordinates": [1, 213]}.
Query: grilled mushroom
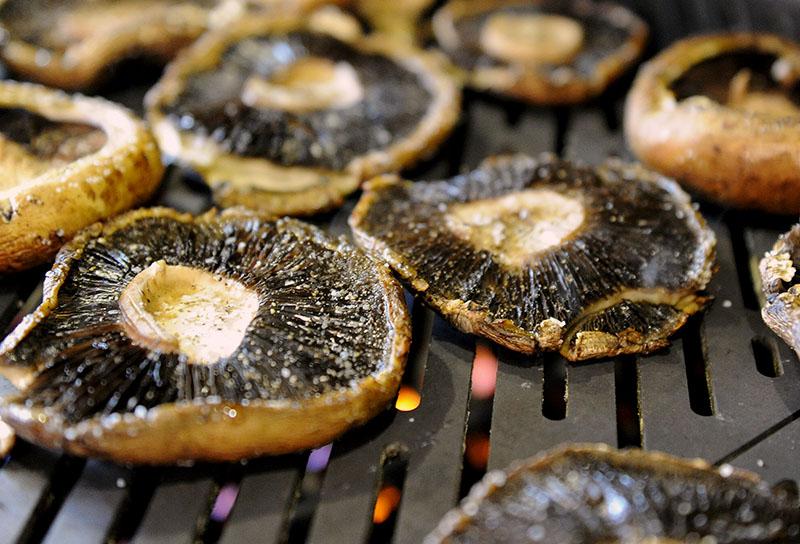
{"type": "Point", "coordinates": [162, 337]}
{"type": "Point", "coordinates": [584, 494]}
{"type": "Point", "coordinates": [779, 283]}
{"type": "Point", "coordinates": [542, 51]}
{"type": "Point", "coordinates": [67, 161]}
{"type": "Point", "coordinates": [722, 114]}
{"type": "Point", "coordinates": [541, 254]}
{"type": "Point", "coordinates": [71, 43]}
{"type": "Point", "coordinates": [280, 116]}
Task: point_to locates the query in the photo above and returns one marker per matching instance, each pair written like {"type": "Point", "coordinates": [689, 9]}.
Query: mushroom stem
{"type": "Point", "coordinates": [741, 97]}
{"type": "Point", "coordinates": [309, 84]}
{"type": "Point", "coordinates": [739, 86]}
{"type": "Point", "coordinates": [181, 309]}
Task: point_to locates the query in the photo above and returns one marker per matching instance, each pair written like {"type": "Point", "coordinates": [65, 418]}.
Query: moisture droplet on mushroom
{"type": "Point", "coordinates": [163, 337]}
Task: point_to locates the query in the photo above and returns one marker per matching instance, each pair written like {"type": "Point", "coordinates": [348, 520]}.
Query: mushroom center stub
{"type": "Point", "coordinates": [187, 310]}
{"type": "Point", "coordinates": [532, 38]}
{"type": "Point", "coordinates": [308, 84]}
{"type": "Point", "coordinates": [516, 227]}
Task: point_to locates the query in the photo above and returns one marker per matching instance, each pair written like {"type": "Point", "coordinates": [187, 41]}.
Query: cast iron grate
{"type": "Point", "coordinates": [726, 390]}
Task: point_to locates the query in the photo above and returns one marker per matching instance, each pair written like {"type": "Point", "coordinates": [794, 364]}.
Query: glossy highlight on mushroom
{"type": "Point", "coordinates": [544, 51]}
{"type": "Point", "coordinates": [288, 116]}
{"type": "Point", "coordinates": [721, 114]}
{"type": "Point", "coordinates": [593, 494]}
{"type": "Point", "coordinates": [68, 161]}
{"type": "Point", "coordinates": [164, 337]}
{"type": "Point", "coordinates": [539, 254]}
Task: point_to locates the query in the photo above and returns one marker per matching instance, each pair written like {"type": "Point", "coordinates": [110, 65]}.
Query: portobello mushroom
{"type": "Point", "coordinates": [163, 337]}
{"type": "Point", "coordinates": [779, 283]}
{"type": "Point", "coordinates": [70, 44]}
{"type": "Point", "coordinates": [539, 254]}
{"type": "Point", "coordinates": [721, 114]}
{"type": "Point", "coordinates": [542, 51]}
{"type": "Point", "coordinates": [282, 116]}
{"type": "Point", "coordinates": [68, 161]}
{"type": "Point", "coordinates": [585, 494]}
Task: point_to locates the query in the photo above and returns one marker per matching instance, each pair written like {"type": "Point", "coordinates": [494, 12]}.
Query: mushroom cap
{"type": "Point", "coordinates": [280, 160]}
{"type": "Point", "coordinates": [39, 213]}
{"type": "Point", "coordinates": [591, 493]}
{"type": "Point", "coordinates": [746, 159]}
{"type": "Point", "coordinates": [70, 44]}
{"type": "Point", "coordinates": [613, 38]}
{"type": "Point", "coordinates": [489, 250]}
{"type": "Point", "coordinates": [324, 351]}
{"type": "Point", "coordinates": [778, 268]}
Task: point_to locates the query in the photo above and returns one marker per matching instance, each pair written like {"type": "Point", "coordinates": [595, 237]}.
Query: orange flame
{"type": "Point", "coordinates": [408, 399]}
{"type": "Point", "coordinates": [385, 504]}
{"type": "Point", "coordinates": [484, 372]}
{"type": "Point", "coordinates": [478, 450]}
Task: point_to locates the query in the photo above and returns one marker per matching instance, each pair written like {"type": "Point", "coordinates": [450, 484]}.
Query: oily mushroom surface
{"type": "Point", "coordinates": [778, 268]}
{"type": "Point", "coordinates": [163, 337]}
{"type": "Point", "coordinates": [545, 51]}
{"type": "Point", "coordinates": [721, 114]}
{"type": "Point", "coordinates": [67, 162]}
{"type": "Point", "coordinates": [70, 44]}
{"type": "Point", "coordinates": [539, 254]}
{"type": "Point", "coordinates": [591, 493]}
{"type": "Point", "coordinates": [288, 116]}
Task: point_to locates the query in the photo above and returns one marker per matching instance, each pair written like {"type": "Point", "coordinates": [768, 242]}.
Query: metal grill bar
{"type": "Point", "coordinates": [754, 407]}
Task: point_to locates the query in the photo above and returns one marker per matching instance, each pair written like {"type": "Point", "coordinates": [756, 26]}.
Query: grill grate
{"type": "Point", "coordinates": [726, 390]}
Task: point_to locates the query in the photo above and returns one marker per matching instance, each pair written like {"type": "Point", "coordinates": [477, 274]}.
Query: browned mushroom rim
{"type": "Point", "coordinates": [591, 493]}
{"type": "Point", "coordinates": [754, 74]}
{"type": "Point", "coordinates": [528, 252]}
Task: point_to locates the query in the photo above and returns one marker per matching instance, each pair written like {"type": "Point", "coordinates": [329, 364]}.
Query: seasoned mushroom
{"type": "Point", "coordinates": [67, 161]}
{"type": "Point", "coordinates": [722, 114]}
{"type": "Point", "coordinates": [540, 254]}
{"type": "Point", "coordinates": [779, 283]}
{"type": "Point", "coordinates": [542, 51]}
{"type": "Point", "coordinates": [162, 337]}
{"type": "Point", "coordinates": [280, 116]}
{"type": "Point", "coordinates": [70, 43]}
{"type": "Point", "coordinates": [592, 494]}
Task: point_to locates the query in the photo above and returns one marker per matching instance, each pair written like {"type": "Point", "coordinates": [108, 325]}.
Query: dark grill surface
{"type": "Point", "coordinates": [727, 390]}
